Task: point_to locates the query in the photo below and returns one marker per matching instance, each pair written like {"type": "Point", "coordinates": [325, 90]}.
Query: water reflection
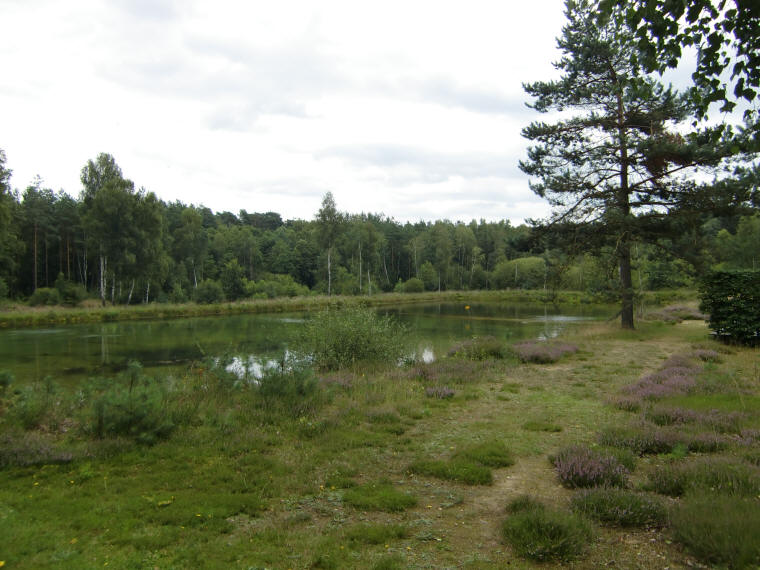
{"type": "Point", "coordinates": [252, 343]}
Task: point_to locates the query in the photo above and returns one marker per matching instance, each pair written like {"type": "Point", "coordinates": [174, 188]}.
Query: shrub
{"type": "Point", "coordinates": [706, 475]}
{"type": "Point", "coordinates": [70, 293]}
{"type": "Point", "coordinates": [3, 289]}
{"type": "Point", "coordinates": [381, 496]}
{"type": "Point", "coordinates": [338, 339]}
{"type": "Point", "coordinates": [542, 534]}
{"type": "Point", "coordinates": [619, 507]}
{"type": "Point", "coordinates": [583, 467]}
{"type": "Point", "coordinates": [479, 348]}
{"type": "Point", "coordinates": [134, 406]}
{"type": "Point", "coordinates": [208, 292]}
{"type": "Point", "coordinates": [29, 448]}
{"type": "Point", "coordinates": [524, 503]}
{"type": "Point", "coordinates": [732, 299]}
{"type": "Point", "coordinates": [45, 296]}
{"type": "Point", "coordinates": [293, 391]}
{"type": "Point", "coordinates": [414, 285]}
{"type": "Point", "coordinates": [6, 379]}
{"type": "Point", "coordinates": [641, 440]}
{"type": "Point", "coordinates": [276, 285]}
{"type": "Point", "coordinates": [439, 392]}
{"type": "Point", "coordinates": [36, 404]}
{"type": "Point", "coordinates": [719, 529]}
{"type": "Point", "coordinates": [542, 352]}
{"type": "Point", "coordinates": [460, 470]}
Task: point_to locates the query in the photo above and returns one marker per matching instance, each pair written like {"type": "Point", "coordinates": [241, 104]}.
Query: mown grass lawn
{"type": "Point", "coordinates": [377, 471]}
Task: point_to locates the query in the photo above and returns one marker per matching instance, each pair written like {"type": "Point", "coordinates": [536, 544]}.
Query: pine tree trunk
{"type": "Point", "coordinates": [624, 210]}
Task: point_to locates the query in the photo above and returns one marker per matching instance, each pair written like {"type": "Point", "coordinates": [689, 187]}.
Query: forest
{"type": "Point", "coordinates": [126, 245]}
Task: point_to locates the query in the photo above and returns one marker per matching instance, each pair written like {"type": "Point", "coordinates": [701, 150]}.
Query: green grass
{"type": "Point", "coordinates": [459, 470]}
{"type": "Point", "coordinates": [313, 475]}
{"type": "Point", "coordinates": [379, 496]}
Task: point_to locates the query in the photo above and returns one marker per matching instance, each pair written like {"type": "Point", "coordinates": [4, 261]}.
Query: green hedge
{"type": "Point", "coordinates": [732, 299]}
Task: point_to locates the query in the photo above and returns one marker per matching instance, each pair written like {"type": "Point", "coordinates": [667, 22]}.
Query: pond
{"type": "Point", "coordinates": [72, 353]}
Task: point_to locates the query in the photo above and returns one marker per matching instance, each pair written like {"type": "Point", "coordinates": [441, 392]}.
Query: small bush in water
{"type": "Point", "coordinates": [340, 338]}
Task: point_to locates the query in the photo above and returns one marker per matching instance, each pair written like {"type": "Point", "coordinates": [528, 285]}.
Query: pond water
{"type": "Point", "coordinates": [72, 353]}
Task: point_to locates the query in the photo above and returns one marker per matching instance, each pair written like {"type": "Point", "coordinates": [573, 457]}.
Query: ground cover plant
{"type": "Point", "coordinates": [542, 352]}
{"type": "Point", "coordinates": [544, 534]}
{"type": "Point", "coordinates": [620, 507]}
{"type": "Point", "coordinates": [313, 468]}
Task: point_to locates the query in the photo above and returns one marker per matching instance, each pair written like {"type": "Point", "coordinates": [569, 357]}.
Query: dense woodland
{"type": "Point", "coordinates": [128, 246]}
{"type": "Point", "coordinates": [645, 194]}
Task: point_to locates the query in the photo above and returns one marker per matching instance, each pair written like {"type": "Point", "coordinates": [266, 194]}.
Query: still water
{"type": "Point", "coordinates": [72, 353]}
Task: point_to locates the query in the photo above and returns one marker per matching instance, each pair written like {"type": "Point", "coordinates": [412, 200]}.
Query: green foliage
{"type": "Point", "coordinates": [544, 534]}
{"type": "Point", "coordinates": [340, 338]}
{"type": "Point", "coordinates": [380, 496]}
{"type": "Point", "coordinates": [480, 348]}
{"type": "Point", "coordinates": [275, 285]}
{"type": "Point", "coordinates": [719, 529]}
{"type": "Point", "coordinates": [414, 285]}
{"type": "Point", "coordinates": [3, 289]}
{"type": "Point", "coordinates": [619, 507]}
{"type": "Point", "coordinates": [208, 292]}
{"type": "Point", "coordinates": [460, 470]}
{"type": "Point", "coordinates": [45, 296]}
{"type": "Point", "coordinates": [232, 280]}
{"type": "Point", "coordinates": [732, 299]}
{"type": "Point", "coordinates": [376, 533]}
{"type": "Point", "coordinates": [520, 273]}
{"type": "Point", "coordinates": [134, 406]}
{"type": "Point", "coordinates": [707, 475]}
{"type": "Point", "coordinates": [489, 453]}
{"type": "Point", "coordinates": [71, 293]}
{"type": "Point", "coordinates": [291, 390]}
{"type": "Point", "coordinates": [35, 405]}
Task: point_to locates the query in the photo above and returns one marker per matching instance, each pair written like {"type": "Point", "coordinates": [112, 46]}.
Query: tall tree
{"type": "Point", "coordinates": [328, 227]}
{"type": "Point", "coordinates": [616, 167]}
{"type": "Point", "coordinates": [10, 245]}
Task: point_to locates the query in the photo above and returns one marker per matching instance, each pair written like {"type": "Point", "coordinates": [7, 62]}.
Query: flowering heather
{"type": "Point", "coordinates": [29, 448]}
{"type": "Point", "coordinates": [456, 371]}
{"type": "Point", "coordinates": [706, 443]}
{"type": "Point", "coordinates": [620, 507]}
{"type": "Point", "coordinates": [439, 392]}
{"type": "Point", "coordinates": [583, 467]}
{"type": "Point", "coordinates": [641, 440]}
{"type": "Point", "coordinates": [720, 421]}
{"type": "Point", "coordinates": [707, 355]}
{"type": "Point", "coordinates": [541, 352]}
{"type": "Point", "coordinates": [670, 382]}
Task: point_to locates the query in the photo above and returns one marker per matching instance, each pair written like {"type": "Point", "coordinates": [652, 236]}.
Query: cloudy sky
{"type": "Point", "coordinates": [408, 108]}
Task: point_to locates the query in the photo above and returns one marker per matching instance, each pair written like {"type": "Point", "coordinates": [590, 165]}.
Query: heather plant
{"type": "Point", "coordinates": [524, 503]}
{"type": "Point", "coordinates": [579, 466]}
{"type": "Point", "coordinates": [341, 338]}
{"type": "Point", "coordinates": [619, 507]}
{"type": "Point", "coordinates": [542, 534]}
{"type": "Point", "coordinates": [714, 419]}
{"type": "Point", "coordinates": [291, 391]}
{"type": "Point", "coordinates": [542, 352]}
{"type": "Point", "coordinates": [480, 348]}
{"type": "Point", "coordinates": [439, 392]}
{"type": "Point", "coordinates": [719, 530]}
{"type": "Point", "coordinates": [641, 440]}
{"type": "Point", "coordinates": [714, 475]}
{"type": "Point", "coordinates": [671, 381]}
{"type": "Point", "coordinates": [376, 533]}
{"type": "Point", "coordinates": [707, 355]}
{"type": "Point", "coordinates": [30, 448]}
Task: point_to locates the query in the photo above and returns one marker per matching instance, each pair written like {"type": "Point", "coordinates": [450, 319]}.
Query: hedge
{"type": "Point", "coordinates": [732, 299]}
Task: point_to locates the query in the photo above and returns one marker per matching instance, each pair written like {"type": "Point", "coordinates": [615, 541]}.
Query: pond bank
{"type": "Point", "coordinates": [18, 316]}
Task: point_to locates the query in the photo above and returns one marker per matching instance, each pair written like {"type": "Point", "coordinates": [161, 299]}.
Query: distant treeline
{"type": "Point", "coordinates": [125, 245]}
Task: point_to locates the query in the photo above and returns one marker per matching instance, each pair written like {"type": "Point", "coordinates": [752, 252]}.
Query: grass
{"type": "Point", "coordinates": [314, 473]}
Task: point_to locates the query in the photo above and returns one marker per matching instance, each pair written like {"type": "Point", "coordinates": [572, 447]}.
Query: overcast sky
{"type": "Point", "coordinates": [412, 109]}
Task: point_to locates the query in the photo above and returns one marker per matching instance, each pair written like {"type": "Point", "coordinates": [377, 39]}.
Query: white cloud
{"type": "Point", "coordinates": [411, 109]}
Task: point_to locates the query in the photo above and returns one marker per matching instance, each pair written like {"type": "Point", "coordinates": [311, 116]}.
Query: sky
{"type": "Point", "coordinates": [411, 109]}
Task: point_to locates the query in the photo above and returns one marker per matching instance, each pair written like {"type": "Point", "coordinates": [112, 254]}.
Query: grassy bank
{"type": "Point", "coordinates": [459, 463]}
{"type": "Point", "coordinates": [15, 315]}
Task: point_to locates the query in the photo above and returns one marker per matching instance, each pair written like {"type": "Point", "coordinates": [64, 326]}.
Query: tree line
{"type": "Point", "coordinates": [122, 244]}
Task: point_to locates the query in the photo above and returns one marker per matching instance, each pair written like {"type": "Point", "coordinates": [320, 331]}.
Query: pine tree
{"type": "Point", "coordinates": [618, 163]}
